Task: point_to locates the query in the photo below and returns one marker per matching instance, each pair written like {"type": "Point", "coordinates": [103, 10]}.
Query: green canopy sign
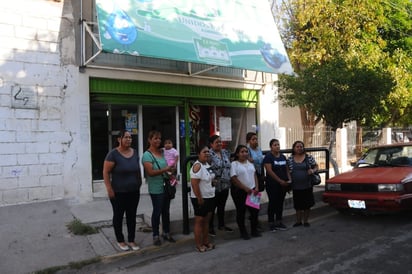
{"type": "Point", "coordinates": [233, 33]}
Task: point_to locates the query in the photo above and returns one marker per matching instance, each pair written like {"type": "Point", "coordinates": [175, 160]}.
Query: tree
{"type": "Point", "coordinates": [352, 62]}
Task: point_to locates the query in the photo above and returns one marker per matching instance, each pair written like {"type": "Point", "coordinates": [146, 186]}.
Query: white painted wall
{"type": "Point", "coordinates": [44, 130]}
{"type": "Point", "coordinates": [269, 116]}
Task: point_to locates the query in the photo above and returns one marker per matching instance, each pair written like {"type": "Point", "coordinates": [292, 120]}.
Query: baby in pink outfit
{"type": "Point", "coordinates": [171, 156]}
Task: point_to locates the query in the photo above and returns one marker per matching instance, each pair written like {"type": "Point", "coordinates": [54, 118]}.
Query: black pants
{"type": "Point", "coordinates": [125, 202]}
{"type": "Point", "coordinates": [276, 194]}
{"type": "Point", "coordinates": [220, 203]}
{"type": "Point", "coordinates": [239, 198]}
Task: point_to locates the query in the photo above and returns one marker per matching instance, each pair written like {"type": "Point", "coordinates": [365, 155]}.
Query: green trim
{"type": "Point", "coordinates": [148, 93]}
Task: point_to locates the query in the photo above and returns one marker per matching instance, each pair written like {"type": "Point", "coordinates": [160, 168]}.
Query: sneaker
{"type": "Point", "coordinates": [297, 224]}
{"type": "Point", "coordinates": [280, 226]}
{"type": "Point", "coordinates": [212, 232]}
{"type": "Point", "coordinates": [156, 241]}
{"type": "Point", "coordinates": [225, 228]}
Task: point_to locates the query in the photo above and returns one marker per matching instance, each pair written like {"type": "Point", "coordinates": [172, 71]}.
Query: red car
{"type": "Point", "coordinates": [381, 181]}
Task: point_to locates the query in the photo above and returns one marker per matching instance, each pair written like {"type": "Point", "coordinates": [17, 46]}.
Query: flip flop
{"type": "Point", "coordinates": [209, 246]}
{"type": "Point", "coordinates": [201, 249]}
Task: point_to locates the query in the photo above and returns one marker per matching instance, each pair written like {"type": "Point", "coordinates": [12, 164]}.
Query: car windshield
{"type": "Point", "coordinates": [387, 156]}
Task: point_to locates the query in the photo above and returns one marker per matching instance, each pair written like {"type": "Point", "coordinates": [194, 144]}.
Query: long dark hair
{"type": "Point", "coordinates": [249, 136]}
{"type": "Point", "coordinates": [151, 134]}
{"type": "Point", "coordinates": [238, 148]}
{"type": "Point", "coordinates": [120, 135]}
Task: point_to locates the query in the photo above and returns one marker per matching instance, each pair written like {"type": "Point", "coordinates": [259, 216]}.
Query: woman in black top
{"type": "Point", "coordinates": [277, 181]}
{"type": "Point", "coordinates": [122, 178]}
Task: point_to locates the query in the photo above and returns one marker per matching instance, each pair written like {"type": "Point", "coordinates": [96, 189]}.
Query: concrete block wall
{"type": "Point", "coordinates": [44, 147]}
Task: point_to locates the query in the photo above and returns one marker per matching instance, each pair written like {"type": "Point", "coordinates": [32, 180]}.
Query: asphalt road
{"type": "Point", "coordinates": [334, 243]}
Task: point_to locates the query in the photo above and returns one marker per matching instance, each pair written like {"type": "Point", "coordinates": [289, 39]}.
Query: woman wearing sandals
{"type": "Point", "coordinates": [244, 182]}
{"type": "Point", "coordinates": [202, 195]}
{"type": "Point", "coordinates": [122, 178]}
{"type": "Point", "coordinates": [156, 168]}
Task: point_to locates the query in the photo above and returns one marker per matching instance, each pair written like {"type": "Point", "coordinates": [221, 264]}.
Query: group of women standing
{"type": "Point", "coordinates": [212, 176]}
{"type": "Point", "coordinates": [210, 191]}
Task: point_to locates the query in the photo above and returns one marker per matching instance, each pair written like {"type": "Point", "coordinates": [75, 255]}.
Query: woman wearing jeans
{"type": "Point", "coordinates": [155, 167]}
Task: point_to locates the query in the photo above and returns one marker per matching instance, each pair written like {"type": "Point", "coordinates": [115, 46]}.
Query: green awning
{"type": "Point", "coordinates": [116, 91]}
{"type": "Point", "coordinates": [239, 34]}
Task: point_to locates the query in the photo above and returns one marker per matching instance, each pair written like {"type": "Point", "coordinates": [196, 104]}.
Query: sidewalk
{"type": "Point", "coordinates": [35, 236]}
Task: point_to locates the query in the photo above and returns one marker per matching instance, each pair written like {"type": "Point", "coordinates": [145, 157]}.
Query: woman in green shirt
{"type": "Point", "coordinates": [155, 167]}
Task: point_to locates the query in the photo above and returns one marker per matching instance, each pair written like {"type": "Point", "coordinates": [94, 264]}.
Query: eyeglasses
{"type": "Point", "coordinates": [127, 137]}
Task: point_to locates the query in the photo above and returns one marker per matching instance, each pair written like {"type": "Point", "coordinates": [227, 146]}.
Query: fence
{"type": "Point", "coordinates": [320, 137]}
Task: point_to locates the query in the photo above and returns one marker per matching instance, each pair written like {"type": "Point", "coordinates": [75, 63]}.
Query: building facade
{"type": "Point", "coordinates": [62, 101]}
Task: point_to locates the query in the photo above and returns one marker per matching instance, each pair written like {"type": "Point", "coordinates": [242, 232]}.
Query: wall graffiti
{"type": "Point", "coordinates": [24, 97]}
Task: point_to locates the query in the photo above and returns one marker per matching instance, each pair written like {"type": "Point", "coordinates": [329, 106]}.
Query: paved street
{"type": "Point", "coordinates": [334, 243]}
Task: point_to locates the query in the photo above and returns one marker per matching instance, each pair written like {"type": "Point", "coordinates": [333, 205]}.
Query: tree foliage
{"type": "Point", "coordinates": [352, 59]}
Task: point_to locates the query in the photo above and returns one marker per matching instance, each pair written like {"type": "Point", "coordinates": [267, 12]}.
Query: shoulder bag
{"type": "Point", "coordinates": [314, 177]}
{"type": "Point", "coordinates": [169, 190]}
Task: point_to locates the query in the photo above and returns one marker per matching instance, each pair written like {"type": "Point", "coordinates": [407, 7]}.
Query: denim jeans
{"type": "Point", "coordinates": [161, 207]}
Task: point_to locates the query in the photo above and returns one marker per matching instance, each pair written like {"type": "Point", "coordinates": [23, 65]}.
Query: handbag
{"type": "Point", "coordinates": [169, 190]}
{"type": "Point", "coordinates": [314, 178]}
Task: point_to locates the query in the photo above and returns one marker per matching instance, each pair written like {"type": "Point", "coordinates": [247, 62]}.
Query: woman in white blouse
{"type": "Point", "coordinates": [203, 198]}
{"type": "Point", "coordinates": [244, 182]}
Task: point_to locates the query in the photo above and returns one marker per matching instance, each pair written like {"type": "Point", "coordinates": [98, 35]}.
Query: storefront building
{"type": "Point", "coordinates": [64, 97]}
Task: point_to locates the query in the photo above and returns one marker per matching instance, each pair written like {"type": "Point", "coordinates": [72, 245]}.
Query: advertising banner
{"type": "Point", "coordinates": [232, 33]}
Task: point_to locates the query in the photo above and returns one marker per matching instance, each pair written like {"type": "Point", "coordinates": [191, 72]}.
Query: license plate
{"type": "Point", "coordinates": [356, 204]}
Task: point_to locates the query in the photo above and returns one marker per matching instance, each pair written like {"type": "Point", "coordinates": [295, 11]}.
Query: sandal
{"type": "Point", "coordinates": [209, 246]}
{"type": "Point", "coordinates": [201, 249]}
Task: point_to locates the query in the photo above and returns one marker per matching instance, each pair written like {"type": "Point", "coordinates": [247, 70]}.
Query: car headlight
{"type": "Point", "coordinates": [390, 187]}
{"type": "Point", "coordinates": [333, 187]}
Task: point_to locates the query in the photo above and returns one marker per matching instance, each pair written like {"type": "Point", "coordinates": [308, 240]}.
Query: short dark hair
{"type": "Point", "coordinates": [272, 141]}
{"type": "Point", "coordinates": [200, 148]}
{"type": "Point", "coordinates": [213, 138]}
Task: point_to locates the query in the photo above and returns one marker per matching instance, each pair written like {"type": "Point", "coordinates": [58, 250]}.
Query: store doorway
{"type": "Point", "coordinates": [106, 122]}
